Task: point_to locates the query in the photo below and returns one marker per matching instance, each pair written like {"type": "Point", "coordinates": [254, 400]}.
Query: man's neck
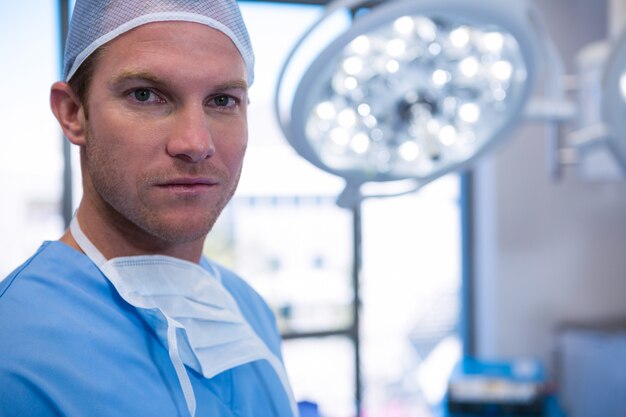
{"type": "Point", "coordinates": [113, 241]}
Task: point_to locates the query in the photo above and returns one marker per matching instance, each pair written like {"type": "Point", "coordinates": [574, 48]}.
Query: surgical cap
{"type": "Point", "coordinates": [96, 22]}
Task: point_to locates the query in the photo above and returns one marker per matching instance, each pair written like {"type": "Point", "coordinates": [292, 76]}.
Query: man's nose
{"type": "Point", "coordinates": [190, 139]}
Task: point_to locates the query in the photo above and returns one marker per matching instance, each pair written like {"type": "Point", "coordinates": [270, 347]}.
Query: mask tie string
{"type": "Point", "coordinates": [179, 367]}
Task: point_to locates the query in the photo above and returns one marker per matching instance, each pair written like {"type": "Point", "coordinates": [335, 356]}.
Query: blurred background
{"type": "Point", "coordinates": [501, 260]}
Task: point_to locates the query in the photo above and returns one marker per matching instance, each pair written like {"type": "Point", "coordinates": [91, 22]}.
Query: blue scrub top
{"type": "Point", "coordinates": [71, 346]}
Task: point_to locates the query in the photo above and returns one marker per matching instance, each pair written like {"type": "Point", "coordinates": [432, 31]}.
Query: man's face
{"type": "Point", "coordinates": [166, 132]}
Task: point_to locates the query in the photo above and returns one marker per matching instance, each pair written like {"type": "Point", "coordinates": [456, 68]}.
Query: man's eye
{"type": "Point", "coordinates": [143, 95]}
{"type": "Point", "coordinates": [223, 101]}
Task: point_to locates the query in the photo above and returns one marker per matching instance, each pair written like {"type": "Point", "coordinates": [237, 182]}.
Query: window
{"type": "Point", "coordinates": [31, 160]}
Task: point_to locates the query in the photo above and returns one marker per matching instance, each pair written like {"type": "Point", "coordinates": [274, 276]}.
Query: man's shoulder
{"type": "Point", "coordinates": [61, 320]}
{"type": "Point", "coordinates": [24, 269]}
{"type": "Point", "coordinates": [57, 289]}
{"type": "Point", "coordinates": [51, 265]}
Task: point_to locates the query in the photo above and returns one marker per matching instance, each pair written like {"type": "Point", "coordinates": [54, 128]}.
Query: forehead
{"type": "Point", "coordinates": [179, 49]}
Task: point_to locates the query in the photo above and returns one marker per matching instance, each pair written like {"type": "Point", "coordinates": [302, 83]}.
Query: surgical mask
{"type": "Point", "coordinates": [190, 311]}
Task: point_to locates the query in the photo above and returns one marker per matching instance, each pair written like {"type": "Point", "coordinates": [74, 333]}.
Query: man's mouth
{"type": "Point", "coordinates": [188, 184]}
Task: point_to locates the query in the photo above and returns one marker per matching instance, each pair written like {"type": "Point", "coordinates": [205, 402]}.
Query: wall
{"type": "Point", "coordinates": [547, 252]}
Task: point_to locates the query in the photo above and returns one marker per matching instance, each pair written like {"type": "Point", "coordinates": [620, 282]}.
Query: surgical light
{"type": "Point", "coordinates": [410, 90]}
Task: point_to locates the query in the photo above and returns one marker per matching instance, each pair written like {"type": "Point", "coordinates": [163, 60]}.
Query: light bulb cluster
{"type": "Point", "coordinates": [418, 93]}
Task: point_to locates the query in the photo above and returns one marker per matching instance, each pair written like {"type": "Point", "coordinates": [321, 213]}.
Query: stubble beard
{"type": "Point", "coordinates": [135, 221]}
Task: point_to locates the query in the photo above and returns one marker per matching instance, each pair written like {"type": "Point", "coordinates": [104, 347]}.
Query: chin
{"type": "Point", "coordinates": [186, 234]}
{"type": "Point", "coordinates": [174, 231]}
{"type": "Point", "coordinates": [179, 225]}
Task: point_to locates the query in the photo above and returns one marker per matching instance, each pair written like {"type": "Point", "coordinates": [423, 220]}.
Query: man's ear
{"type": "Point", "coordinates": [69, 111]}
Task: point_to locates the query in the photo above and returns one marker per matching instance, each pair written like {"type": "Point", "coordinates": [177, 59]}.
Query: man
{"type": "Point", "coordinates": [123, 316]}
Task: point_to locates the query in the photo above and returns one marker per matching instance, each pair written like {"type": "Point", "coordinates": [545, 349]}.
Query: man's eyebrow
{"type": "Point", "coordinates": [151, 78]}
{"type": "Point", "coordinates": [137, 75]}
{"type": "Point", "coordinates": [234, 84]}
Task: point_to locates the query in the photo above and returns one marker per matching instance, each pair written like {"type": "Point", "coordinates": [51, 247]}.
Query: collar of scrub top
{"type": "Point", "coordinates": [172, 338]}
